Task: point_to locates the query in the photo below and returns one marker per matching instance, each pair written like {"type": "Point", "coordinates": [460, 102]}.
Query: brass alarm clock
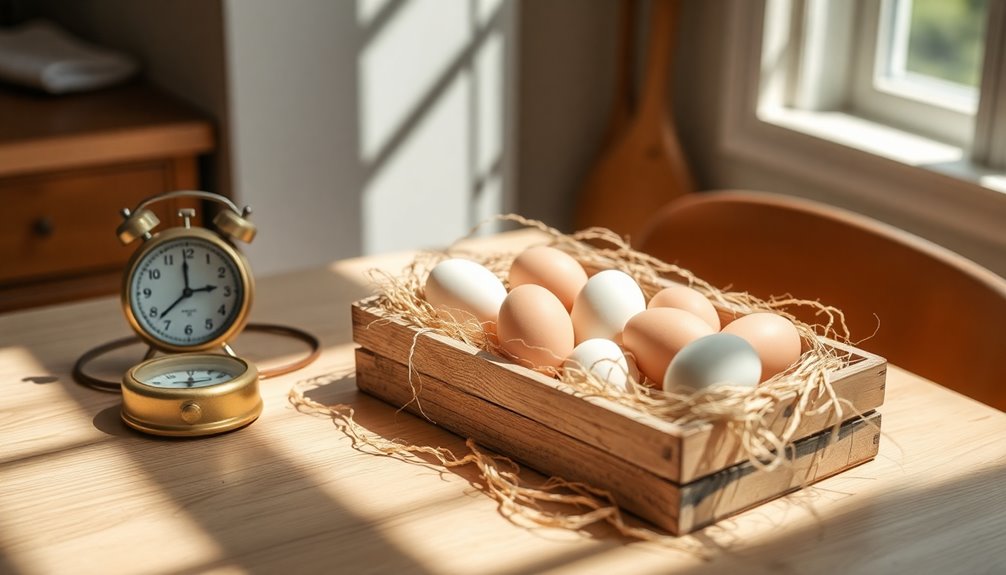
{"type": "Point", "coordinates": [187, 291]}
{"type": "Point", "coordinates": [187, 288]}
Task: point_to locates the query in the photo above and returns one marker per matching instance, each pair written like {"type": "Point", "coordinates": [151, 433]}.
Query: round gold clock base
{"type": "Point", "coordinates": [182, 429]}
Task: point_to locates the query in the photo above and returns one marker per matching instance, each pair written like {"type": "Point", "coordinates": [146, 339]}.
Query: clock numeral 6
{"type": "Point", "coordinates": [188, 329]}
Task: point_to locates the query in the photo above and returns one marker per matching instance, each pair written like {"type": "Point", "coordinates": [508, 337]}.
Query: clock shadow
{"type": "Point", "coordinates": [109, 422]}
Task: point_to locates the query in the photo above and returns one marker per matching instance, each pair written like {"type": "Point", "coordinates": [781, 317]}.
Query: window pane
{"type": "Point", "coordinates": [945, 39]}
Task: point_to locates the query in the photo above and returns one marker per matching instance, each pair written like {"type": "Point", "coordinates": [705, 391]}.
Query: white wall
{"type": "Point", "coordinates": [366, 127]}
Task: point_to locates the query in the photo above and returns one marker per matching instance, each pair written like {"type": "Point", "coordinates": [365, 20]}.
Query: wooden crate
{"type": "Point", "coordinates": [680, 478]}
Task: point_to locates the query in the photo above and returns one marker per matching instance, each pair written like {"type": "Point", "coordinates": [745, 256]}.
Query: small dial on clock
{"type": "Point", "coordinates": [186, 291]}
{"type": "Point", "coordinates": [189, 378]}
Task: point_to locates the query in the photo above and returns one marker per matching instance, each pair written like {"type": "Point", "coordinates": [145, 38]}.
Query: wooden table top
{"type": "Point", "coordinates": [81, 493]}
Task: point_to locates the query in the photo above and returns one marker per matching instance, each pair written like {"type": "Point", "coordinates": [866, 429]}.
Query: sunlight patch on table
{"type": "Point", "coordinates": [128, 518]}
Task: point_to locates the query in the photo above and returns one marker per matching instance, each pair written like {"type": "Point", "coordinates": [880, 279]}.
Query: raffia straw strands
{"type": "Point", "coordinates": [574, 506]}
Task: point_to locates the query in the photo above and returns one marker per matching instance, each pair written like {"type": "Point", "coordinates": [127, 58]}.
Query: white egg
{"type": "Point", "coordinates": [605, 304]}
{"type": "Point", "coordinates": [462, 289]}
{"type": "Point", "coordinates": [717, 359]}
{"type": "Point", "coordinates": [604, 359]}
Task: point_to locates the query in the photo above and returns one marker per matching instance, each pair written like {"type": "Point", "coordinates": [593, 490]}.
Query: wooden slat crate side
{"type": "Point", "coordinates": [521, 438]}
{"type": "Point", "coordinates": [814, 458]}
{"type": "Point", "coordinates": [651, 497]}
{"type": "Point", "coordinates": [715, 447]}
{"type": "Point", "coordinates": [667, 450]}
{"type": "Point", "coordinates": [643, 440]}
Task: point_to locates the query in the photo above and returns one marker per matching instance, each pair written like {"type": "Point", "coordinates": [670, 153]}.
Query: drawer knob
{"type": "Point", "coordinates": [43, 227]}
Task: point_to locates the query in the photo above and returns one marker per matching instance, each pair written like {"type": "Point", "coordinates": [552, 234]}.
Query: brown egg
{"type": "Point", "coordinates": [774, 338]}
{"type": "Point", "coordinates": [550, 268]}
{"type": "Point", "coordinates": [688, 299]}
{"type": "Point", "coordinates": [534, 327]}
{"type": "Point", "coordinates": [656, 335]}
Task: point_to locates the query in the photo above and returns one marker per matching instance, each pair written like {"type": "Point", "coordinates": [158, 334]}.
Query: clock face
{"type": "Point", "coordinates": [189, 378]}
{"type": "Point", "coordinates": [186, 291]}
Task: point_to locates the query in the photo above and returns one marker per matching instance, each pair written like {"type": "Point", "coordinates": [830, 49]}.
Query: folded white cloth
{"type": "Point", "coordinates": [41, 55]}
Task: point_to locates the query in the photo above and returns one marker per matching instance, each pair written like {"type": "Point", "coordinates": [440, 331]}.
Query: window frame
{"type": "Point", "coordinates": [963, 197]}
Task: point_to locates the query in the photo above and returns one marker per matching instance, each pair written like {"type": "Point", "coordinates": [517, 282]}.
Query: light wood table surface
{"type": "Point", "coordinates": [80, 493]}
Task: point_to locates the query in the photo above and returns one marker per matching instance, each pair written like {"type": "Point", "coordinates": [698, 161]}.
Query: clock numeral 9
{"type": "Point", "coordinates": [147, 293]}
{"type": "Point", "coordinates": [154, 274]}
{"type": "Point", "coordinates": [188, 329]}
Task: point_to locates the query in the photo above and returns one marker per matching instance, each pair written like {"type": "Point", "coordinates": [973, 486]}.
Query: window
{"type": "Point", "coordinates": [931, 69]}
{"type": "Point", "coordinates": [894, 108]}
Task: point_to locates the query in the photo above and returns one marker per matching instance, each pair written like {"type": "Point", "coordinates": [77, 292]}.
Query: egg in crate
{"type": "Point", "coordinates": [550, 268]}
{"type": "Point", "coordinates": [716, 359]}
{"type": "Point", "coordinates": [774, 337]}
{"type": "Point", "coordinates": [656, 335]}
{"type": "Point", "coordinates": [534, 327]}
{"type": "Point", "coordinates": [462, 290]}
{"type": "Point", "coordinates": [605, 304]}
{"type": "Point", "coordinates": [605, 360]}
{"type": "Point", "coordinates": [689, 299]}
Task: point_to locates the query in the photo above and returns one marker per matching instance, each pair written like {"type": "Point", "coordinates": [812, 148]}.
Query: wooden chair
{"type": "Point", "coordinates": [940, 315]}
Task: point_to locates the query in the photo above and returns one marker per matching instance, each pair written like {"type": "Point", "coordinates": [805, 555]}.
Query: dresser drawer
{"type": "Point", "coordinates": [60, 224]}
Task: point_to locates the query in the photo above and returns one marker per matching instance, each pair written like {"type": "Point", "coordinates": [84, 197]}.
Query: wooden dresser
{"type": "Point", "coordinates": [68, 165]}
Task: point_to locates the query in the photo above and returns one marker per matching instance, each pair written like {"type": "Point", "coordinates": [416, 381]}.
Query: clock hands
{"type": "Point", "coordinates": [186, 291]}
{"type": "Point", "coordinates": [185, 273]}
{"type": "Point", "coordinates": [184, 295]}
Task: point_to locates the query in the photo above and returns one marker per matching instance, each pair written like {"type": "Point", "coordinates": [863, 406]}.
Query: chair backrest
{"type": "Point", "coordinates": [940, 315]}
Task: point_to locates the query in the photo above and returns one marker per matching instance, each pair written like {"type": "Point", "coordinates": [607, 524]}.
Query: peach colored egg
{"type": "Point", "coordinates": [534, 327]}
{"type": "Point", "coordinates": [683, 297]}
{"type": "Point", "coordinates": [656, 335]}
{"type": "Point", "coordinates": [550, 268]}
{"type": "Point", "coordinates": [774, 338]}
